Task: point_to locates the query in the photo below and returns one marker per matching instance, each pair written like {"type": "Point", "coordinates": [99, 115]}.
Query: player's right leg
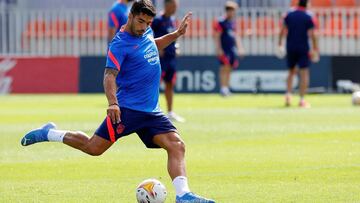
{"type": "Point", "coordinates": [304, 83]}
{"type": "Point", "coordinates": [224, 75]}
{"type": "Point", "coordinates": [94, 146]}
{"type": "Point", "coordinates": [289, 85]}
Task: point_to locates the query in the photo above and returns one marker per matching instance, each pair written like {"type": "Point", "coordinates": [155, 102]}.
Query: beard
{"type": "Point", "coordinates": [137, 33]}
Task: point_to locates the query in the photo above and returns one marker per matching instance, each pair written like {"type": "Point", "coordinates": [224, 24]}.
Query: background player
{"type": "Point", "coordinates": [131, 83]}
{"type": "Point", "coordinates": [117, 17]}
{"type": "Point", "coordinates": [299, 24]}
{"type": "Point", "coordinates": [228, 48]}
{"type": "Point", "coordinates": [162, 25]}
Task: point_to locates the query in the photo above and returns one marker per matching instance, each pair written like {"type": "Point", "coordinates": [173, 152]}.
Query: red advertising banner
{"type": "Point", "coordinates": [39, 75]}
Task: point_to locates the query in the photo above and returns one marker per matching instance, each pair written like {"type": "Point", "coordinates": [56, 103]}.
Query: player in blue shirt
{"type": "Point", "coordinates": [299, 24]}
{"type": "Point", "coordinates": [117, 17]}
{"type": "Point", "coordinates": [163, 25]}
{"type": "Point", "coordinates": [228, 48]}
{"type": "Point", "coordinates": [131, 83]}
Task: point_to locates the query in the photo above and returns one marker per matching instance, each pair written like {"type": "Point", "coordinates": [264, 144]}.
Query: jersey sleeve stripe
{"type": "Point", "coordinates": [114, 19]}
{"type": "Point", "coordinates": [110, 129]}
{"type": "Point", "coordinates": [113, 59]}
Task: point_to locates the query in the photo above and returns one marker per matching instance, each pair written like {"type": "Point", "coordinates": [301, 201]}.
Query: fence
{"type": "Point", "coordinates": [75, 32]}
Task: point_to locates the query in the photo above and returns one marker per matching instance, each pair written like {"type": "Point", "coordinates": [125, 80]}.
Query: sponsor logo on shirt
{"type": "Point", "coordinates": [152, 56]}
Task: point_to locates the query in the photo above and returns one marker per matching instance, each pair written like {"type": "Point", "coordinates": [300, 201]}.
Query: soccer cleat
{"type": "Point", "coordinates": [174, 117]}
{"type": "Point", "coordinates": [304, 104]}
{"type": "Point", "coordinates": [192, 198]}
{"type": "Point", "coordinates": [37, 135]}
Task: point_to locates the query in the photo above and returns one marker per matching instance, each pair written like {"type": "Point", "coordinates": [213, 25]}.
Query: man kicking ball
{"type": "Point", "coordinates": [131, 83]}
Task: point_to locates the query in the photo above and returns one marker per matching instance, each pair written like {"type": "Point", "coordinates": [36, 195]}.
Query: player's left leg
{"type": "Point", "coordinates": [170, 79]}
{"type": "Point", "coordinates": [169, 95]}
{"type": "Point", "coordinates": [175, 148]}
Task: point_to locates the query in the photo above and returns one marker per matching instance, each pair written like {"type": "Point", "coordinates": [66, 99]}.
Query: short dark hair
{"type": "Point", "coordinates": [230, 5]}
{"type": "Point", "coordinates": [303, 3]}
{"type": "Point", "coordinates": [168, 1]}
{"type": "Point", "coordinates": [143, 6]}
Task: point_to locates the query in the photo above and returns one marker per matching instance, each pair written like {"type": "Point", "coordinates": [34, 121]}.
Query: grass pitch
{"type": "Point", "coordinates": [245, 148]}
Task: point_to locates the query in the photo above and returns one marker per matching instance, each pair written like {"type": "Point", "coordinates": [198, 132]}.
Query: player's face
{"type": "Point", "coordinates": [231, 13]}
{"type": "Point", "coordinates": [171, 7]}
{"type": "Point", "coordinates": [139, 23]}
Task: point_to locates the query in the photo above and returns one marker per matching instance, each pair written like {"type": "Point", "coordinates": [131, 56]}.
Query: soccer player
{"type": "Point", "coordinates": [162, 25]}
{"type": "Point", "coordinates": [228, 48]}
{"type": "Point", "coordinates": [117, 17]}
{"type": "Point", "coordinates": [131, 83]}
{"type": "Point", "coordinates": [299, 24]}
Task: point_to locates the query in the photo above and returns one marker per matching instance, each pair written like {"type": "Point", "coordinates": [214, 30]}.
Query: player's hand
{"type": "Point", "coordinates": [184, 24]}
{"type": "Point", "coordinates": [280, 52]}
{"type": "Point", "coordinates": [219, 52]}
{"type": "Point", "coordinates": [315, 56]}
{"type": "Point", "coordinates": [114, 113]}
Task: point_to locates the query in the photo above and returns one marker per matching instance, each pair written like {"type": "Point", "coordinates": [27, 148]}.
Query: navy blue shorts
{"type": "Point", "coordinates": [302, 59]}
{"type": "Point", "coordinates": [168, 68]}
{"type": "Point", "coordinates": [229, 59]}
{"type": "Point", "coordinates": [145, 124]}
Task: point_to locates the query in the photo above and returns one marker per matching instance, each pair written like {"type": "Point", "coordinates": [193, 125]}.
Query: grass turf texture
{"type": "Point", "coordinates": [244, 148]}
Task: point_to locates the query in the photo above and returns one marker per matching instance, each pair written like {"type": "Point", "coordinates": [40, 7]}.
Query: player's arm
{"type": "Point", "coordinates": [314, 39]}
{"type": "Point", "coordinates": [241, 50]}
{"type": "Point", "coordinates": [110, 88]}
{"type": "Point", "coordinates": [113, 24]}
{"type": "Point", "coordinates": [280, 51]}
{"type": "Point", "coordinates": [111, 33]}
{"type": "Point", "coordinates": [166, 40]}
{"type": "Point", "coordinates": [217, 39]}
{"type": "Point", "coordinates": [315, 47]}
{"type": "Point", "coordinates": [282, 34]}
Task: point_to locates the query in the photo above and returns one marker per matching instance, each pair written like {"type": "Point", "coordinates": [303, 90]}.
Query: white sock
{"type": "Point", "coordinates": [56, 135]}
{"type": "Point", "coordinates": [181, 185]}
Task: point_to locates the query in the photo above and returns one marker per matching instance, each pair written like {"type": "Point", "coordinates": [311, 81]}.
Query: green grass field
{"type": "Point", "coordinates": [246, 148]}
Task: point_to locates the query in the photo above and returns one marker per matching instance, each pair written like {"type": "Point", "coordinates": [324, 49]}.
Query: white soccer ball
{"type": "Point", "coordinates": [151, 191]}
{"type": "Point", "coordinates": [356, 98]}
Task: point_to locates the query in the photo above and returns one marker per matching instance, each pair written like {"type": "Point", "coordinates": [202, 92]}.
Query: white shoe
{"type": "Point", "coordinates": [174, 117]}
{"type": "Point", "coordinates": [225, 92]}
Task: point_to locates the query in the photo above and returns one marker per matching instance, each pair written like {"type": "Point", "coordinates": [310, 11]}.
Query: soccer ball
{"type": "Point", "coordinates": [151, 191]}
{"type": "Point", "coordinates": [356, 98]}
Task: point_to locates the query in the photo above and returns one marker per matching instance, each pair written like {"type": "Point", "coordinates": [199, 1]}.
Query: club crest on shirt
{"type": "Point", "coordinates": [152, 56]}
{"type": "Point", "coordinates": [120, 129]}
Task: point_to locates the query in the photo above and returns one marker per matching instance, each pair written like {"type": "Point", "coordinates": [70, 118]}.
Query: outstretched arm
{"type": "Point", "coordinates": [110, 87]}
{"type": "Point", "coordinates": [166, 40]}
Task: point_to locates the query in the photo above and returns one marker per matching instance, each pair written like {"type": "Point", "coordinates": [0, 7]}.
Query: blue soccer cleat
{"type": "Point", "coordinates": [192, 198]}
{"type": "Point", "coordinates": [37, 135]}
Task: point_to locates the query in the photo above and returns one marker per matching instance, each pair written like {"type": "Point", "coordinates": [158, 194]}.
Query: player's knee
{"type": "Point", "coordinates": [95, 152]}
{"type": "Point", "coordinates": [177, 146]}
{"type": "Point", "coordinates": [92, 151]}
